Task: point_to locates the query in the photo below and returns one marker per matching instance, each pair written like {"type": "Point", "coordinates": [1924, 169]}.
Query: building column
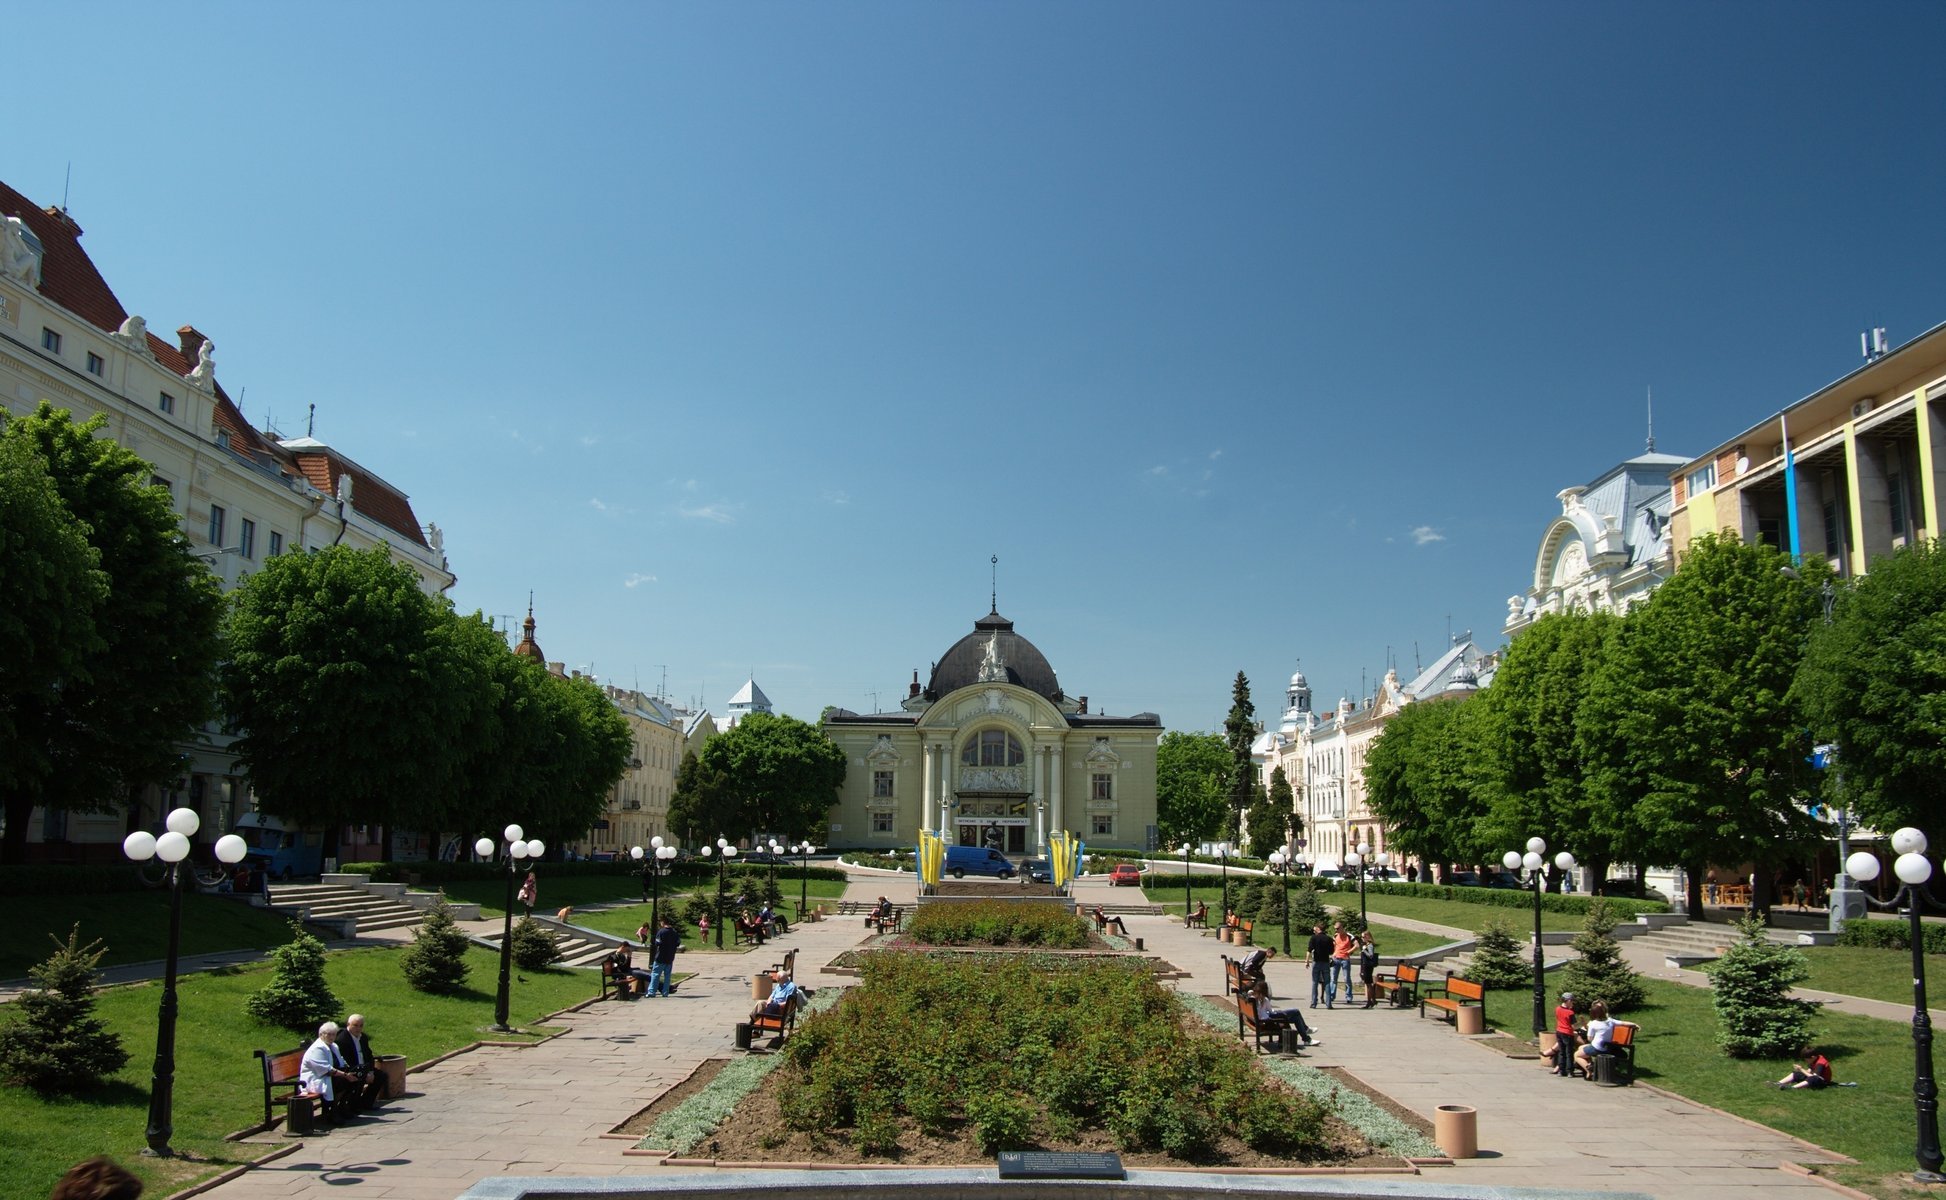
{"type": "Point", "coordinates": [1056, 813]}
{"type": "Point", "coordinates": [1871, 508]}
{"type": "Point", "coordinates": [925, 782]}
{"type": "Point", "coordinates": [945, 752]}
{"type": "Point", "coordinates": [1932, 460]}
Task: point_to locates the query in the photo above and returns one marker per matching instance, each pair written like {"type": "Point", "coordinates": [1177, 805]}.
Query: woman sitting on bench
{"type": "Point", "coordinates": [1266, 1015]}
{"type": "Point", "coordinates": [1200, 917]}
{"type": "Point", "coordinates": [1104, 922]}
{"type": "Point", "coordinates": [1598, 1031]}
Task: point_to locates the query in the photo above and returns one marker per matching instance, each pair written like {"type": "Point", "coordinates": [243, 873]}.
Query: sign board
{"type": "Point", "coordinates": [1043, 1164]}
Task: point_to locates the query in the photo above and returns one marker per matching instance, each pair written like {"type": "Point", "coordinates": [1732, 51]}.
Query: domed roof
{"type": "Point", "coordinates": [1015, 658]}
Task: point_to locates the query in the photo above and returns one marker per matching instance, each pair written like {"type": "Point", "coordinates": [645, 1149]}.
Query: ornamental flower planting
{"type": "Point", "coordinates": [998, 923]}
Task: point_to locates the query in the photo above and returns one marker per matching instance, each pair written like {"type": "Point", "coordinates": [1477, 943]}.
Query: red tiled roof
{"type": "Point", "coordinates": [370, 496]}
{"type": "Point", "coordinates": [68, 276]}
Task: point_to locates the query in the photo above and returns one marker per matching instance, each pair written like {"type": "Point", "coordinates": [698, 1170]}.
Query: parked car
{"type": "Point", "coordinates": [1037, 870]}
{"type": "Point", "coordinates": [1506, 880]}
{"type": "Point", "coordinates": [764, 858]}
{"type": "Point", "coordinates": [1332, 874]}
{"type": "Point", "coordinates": [1125, 875]}
{"type": "Point", "coordinates": [962, 861]}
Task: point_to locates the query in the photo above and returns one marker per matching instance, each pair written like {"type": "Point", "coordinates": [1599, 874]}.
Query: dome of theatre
{"type": "Point", "coordinates": [993, 652]}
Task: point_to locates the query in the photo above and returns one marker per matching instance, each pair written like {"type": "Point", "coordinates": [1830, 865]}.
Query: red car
{"type": "Point", "coordinates": [1125, 875]}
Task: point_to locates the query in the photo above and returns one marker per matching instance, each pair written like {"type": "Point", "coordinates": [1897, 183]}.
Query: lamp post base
{"type": "Point", "coordinates": [1928, 1177]}
{"type": "Point", "coordinates": [1847, 903]}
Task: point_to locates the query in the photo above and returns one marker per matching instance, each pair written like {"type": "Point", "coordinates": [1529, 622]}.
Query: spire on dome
{"type": "Point", "coordinates": [528, 647]}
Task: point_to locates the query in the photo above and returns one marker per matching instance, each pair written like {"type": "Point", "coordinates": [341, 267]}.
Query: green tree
{"type": "Point", "coordinates": [118, 720]}
{"type": "Point", "coordinates": [1422, 781]}
{"type": "Point", "coordinates": [344, 690]}
{"type": "Point", "coordinates": [1750, 989]}
{"type": "Point", "coordinates": [1192, 776]}
{"type": "Point", "coordinates": [533, 947]}
{"type": "Point", "coordinates": [49, 594]}
{"type": "Point", "coordinates": [436, 960]}
{"type": "Point", "coordinates": [1269, 820]}
{"type": "Point", "coordinates": [1686, 726]}
{"type": "Point", "coordinates": [1874, 681]}
{"type": "Point", "coordinates": [1497, 958]}
{"type": "Point", "coordinates": [1530, 758]}
{"type": "Point", "coordinates": [779, 775]}
{"type": "Point", "coordinates": [1239, 732]}
{"type": "Point", "coordinates": [297, 996]}
{"type": "Point", "coordinates": [700, 802]}
{"type": "Point", "coordinates": [55, 1043]}
{"type": "Point", "coordinates": [1601, 973]}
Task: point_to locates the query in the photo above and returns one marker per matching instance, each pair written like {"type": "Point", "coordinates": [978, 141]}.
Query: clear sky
{"type": "Point", "coordinates": [744, 334]}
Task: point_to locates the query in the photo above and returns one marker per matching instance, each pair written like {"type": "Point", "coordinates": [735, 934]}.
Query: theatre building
{"type": "Point", "coordinates": [992, 752]}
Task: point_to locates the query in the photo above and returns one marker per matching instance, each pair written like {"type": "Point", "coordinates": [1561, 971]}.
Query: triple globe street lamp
{"type": "Point", "coordinates": [724, 852]}
{"type": "Point", "coordinates": [173, 849]}
{"type": "Point", "coordinates": [1913, 870]}
{"type": "Point", "coordinates": [804, 850]}
{"type": "Point", "coordinates": [1282, 862]}
{"type": "Point", "coordinates": [1535, 862]}
{"type": "Point", "coordinates": [655, 860]}
{"type": "Point", "coordinates": [1358, 858]}
{"type": "Point", "coordinates": [518, 848]}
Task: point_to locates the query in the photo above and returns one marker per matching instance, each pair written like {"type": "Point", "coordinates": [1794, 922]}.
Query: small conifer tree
{"type": "Point", "coordinates": [533, 946]}
{"type": "Point", "coordinates": [1601, 973]}
{"type": "Point", "coordinates": [1756, 1015]}
{"type": "Point", "coordinates": [1306, 909]}
{"type": "Point", "coordinates": [1497, 959]}
{"type": "Point", "coordinates": [297, 997]}
{"type": "Point", "coordinates": [56, 1043]}
{"type": "Point", "coordinates": [436, 960]}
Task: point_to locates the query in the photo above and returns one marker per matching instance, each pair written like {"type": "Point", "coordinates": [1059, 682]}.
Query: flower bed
{"type": "Point", "coordinates": [998, 923]}
{"type": "Point", "coordinates": [1019, 1054]}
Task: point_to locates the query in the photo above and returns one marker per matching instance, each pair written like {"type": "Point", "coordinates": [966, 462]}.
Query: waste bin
{"type": "Point", "coordinates": [1456, 1128]}
{"type": "Point", "coordinates": [743, 1035]}
{"type": "Point", "coordinates": [1287, 1040]}
{"type": "Point", "coordinates": [393, 1065]}
{"type": "Point", "coordinates": [760, 985]}
{"type": "Point", "coordinates": [1471, 1018]}
{"type": "Point", "coordinates": [1602, 1068]}
{"type": "Point", "coordinates": [302, 1118]}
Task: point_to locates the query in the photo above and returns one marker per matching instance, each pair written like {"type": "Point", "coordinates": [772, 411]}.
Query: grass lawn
{"type": "Point", "coordinates": [1460, 915]}
{"type": "Point", "coordinates": [1871, 973]}
{"type": "Point", "coordinates": [219, 1087]}
{"type": "Point", "coordinates": [577, 891]}
{"type": "Point", "coordinates": [1872, 1122]}
{"type": "Point", "coordinates": [133, 925]}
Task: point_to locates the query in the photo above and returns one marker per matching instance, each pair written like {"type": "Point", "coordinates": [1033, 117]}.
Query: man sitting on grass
{"type": "Point", "coordinates": [1814, 1074]}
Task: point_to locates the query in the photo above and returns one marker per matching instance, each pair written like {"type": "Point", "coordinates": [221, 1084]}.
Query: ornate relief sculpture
{"type": "Point", "coordinates": [18, 258]}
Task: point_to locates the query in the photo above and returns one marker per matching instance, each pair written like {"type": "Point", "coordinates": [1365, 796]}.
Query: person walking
{"type": "Point", "coordinates": [530, 891]}
{"type": "Point", "coordinates": [1317, 952]}
{"type": "Point", "coordinates": [662, 958]}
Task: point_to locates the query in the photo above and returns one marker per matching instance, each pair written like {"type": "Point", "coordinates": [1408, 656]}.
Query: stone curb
{"type": "Point", "coordinates": [223, 1177]}
{"type": "Point", "coordinates": [729, 1164]}
{"type": "Point", "coordinates": [1852, 1193]}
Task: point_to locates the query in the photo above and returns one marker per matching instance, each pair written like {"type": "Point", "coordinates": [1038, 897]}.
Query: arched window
{"type": "Point", "coordinates": [993, 748]}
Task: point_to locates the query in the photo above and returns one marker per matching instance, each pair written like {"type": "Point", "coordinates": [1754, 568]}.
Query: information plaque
{"type": "Point", "coordinates": [1043, 1164]}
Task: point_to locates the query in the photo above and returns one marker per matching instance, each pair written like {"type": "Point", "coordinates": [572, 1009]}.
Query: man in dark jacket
{"type": "Point", "coordinates": [662, 958]}
{"type": "Point", "coordinates": [356, 1049]}
{"type": "Point", "coordinates": [1317, 952]}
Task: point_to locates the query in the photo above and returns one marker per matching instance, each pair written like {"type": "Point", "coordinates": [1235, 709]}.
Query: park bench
{"type": "Point", "coordinates": [890, 924]}
{"type": "Point", "coordinates": [283, 1070]}
{"type": "Point", "coordinates": [776, 1025]}
{"type": "Point", "coordinates": [1620, 1055]}
{"type": "Point", "coordinates": [611, 982]}
{"type": "Point", "coordinates": [1232, 976]}
{"type": "Point", "coordinates": [751, 931]}
{"type": "Point", "coordinates": [1401, 987]}
{"type": "Point", "coordinates": [1258, 1032]}
{"type": "Point", "coordinates": [1198, 919]}
{"type": "Point", "coordinates": [1458, 993]}
{"type": "Point", "coordinates": [1244, 931]}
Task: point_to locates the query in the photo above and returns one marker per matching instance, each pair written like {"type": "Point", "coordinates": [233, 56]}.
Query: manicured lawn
{"type": "Point", "coordinates": [133, 925]}
{"type": "Point", "coordinates": [624, 921]}
{"type": "Point", "coordinates": [1460, 915]}
{"type": "Point", "coordinates": [219, 1087]}
{"type": "Point", "coordinates": [1872, 1122]}
{"type": "Point", "coordinates": [576, 891]}
{"type": "Point", "coordinates": [1875, 974]}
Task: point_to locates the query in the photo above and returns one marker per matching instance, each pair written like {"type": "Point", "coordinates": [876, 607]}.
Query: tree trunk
{"type": "Point", "coordinates": [20, 810]}
{"type": "Point", "coordinates": [385, 843]}
{"type": "Point", "coordinates": [1693, 884]}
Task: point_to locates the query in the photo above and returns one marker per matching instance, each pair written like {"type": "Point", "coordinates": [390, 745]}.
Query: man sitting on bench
{"type": "Point", "coordinates": [880, 916]}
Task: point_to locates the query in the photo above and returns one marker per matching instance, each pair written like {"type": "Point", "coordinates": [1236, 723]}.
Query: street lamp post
{"type": "Point", "coordinates": [173, 849]}
{"type": "Point", "coordinates": [1281, 861]}
{"type": "Point", "coordinates": [1535, 861]}
{"type": "Point", "coordinates": [1187, 903]}
{"type": "Point", "coordinates": [1223, 863]}
{"type": "Point", "coordinates": [804, 878]}
{"type": "Point", "coordinates": [776, 852]}
{"type": "Point", "coordinates": [1913, 870]}
{"type": "Point", "coordinates": [1358, 858]}
{"type": "Point", "coordinates": [724, 853]}
{"type": "Point", "coordinates": [518, 847]}
{"type": "Point", "coordinates": [656, 859]}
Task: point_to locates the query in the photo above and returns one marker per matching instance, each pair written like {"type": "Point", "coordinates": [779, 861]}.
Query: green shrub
{"type": "Point", "coordinates": [1159, 883]}
{"type": "Point", "coordinates": [297, 997]}
{"type": "Point", "coordinates": [55, 1043]}
{"type": "Point", "coordinates": [1307, 910]}
{"type": "Point", "coordinates": [1000, 1121]}
{"type": "Point", "coordinates": [1497, 961]}
{"type": "Point", "coordinates": [533, 946]}
{"type": "Point", "coordinates": [1601, 973]}
{"type": "Point", "coordinates": [1750, 986]}
{"type": "Point", "coordinates": [1891, 935]}
{"type": "Point", "coordinates": [436, 960]}
{"type": "Point", "coordinates": [998, 923]}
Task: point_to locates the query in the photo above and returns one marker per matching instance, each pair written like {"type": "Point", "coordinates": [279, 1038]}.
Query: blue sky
{"type": "Point", "coordinates": [743, 335]}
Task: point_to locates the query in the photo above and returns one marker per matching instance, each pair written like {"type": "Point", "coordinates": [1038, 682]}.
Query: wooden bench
{"type": "Point", "coordinates": [1232, 976]}
{"type": "Point", "coordinates": [1244, 930]}
{"type": "Point", "coordinates": [1198, 919]}
{"type": "Point", "coordinates": [752, 933]}
{"type": "Point", "coordinates": [1401, 987]}
{"type": "Point", "coordinates": [890, 924]}
{"type": "Point", "coordinates": [778, 1025]}
{"type": "Point", "coordinates": [1258, 1031]}
{"type": "Point", "coordinates": [1458, 993]}
{"type": "Point", "coordinates": [1621, 1048]}
{"type": "Point", "coordinates": [612, 983]}
{"type": "Point", "coordinates": [788, 968]}
{"type": "Point", "coordinates": [283, 1070]}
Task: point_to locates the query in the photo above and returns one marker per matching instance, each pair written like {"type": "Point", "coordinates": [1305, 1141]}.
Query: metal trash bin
{"type": "Point", "coordinates": [1287, 1040]}
{"type": "Point", "coordinates": [302, 1116]}
{"type": "Point", "coordinates": [1470, 1019]}
{"type": "Point", "coordinates": [1601, 1067]}
{"type": "Point", "coordinates": [760, 985]}
{"type": "Point", "coordinates": [743, 1035]}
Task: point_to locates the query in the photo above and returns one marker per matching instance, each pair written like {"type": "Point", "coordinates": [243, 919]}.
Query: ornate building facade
{"type": "Point", "coordinates": [992, 752]}
{"type": "Point", "coordinates": [1609, 547]}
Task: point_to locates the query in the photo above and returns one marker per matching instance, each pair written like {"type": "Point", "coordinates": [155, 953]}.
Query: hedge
{"type": "Point", "coordinates": [1523, 899]}
{"type": "Point", "coordinates": [1891, 935]}
{"type": "Point", "coordinates": [682, 874]}
{"type": "Point", "coordinates": [41, 879]}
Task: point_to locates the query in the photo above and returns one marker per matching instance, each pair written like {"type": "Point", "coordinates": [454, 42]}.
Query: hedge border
{"type": "Point", "coordinates": [1522, 899]}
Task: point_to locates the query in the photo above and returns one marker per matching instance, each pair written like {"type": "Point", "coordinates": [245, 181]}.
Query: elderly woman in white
{"type": "Point", "coordinates": [322, 1066]}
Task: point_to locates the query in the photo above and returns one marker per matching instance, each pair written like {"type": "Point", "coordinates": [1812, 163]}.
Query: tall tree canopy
{"type": "Point", "coordinates": [1874, 681]}
{"type": "Point", "coordinates": [121, 713]}
{"type": "Point", "coordinates": [1686, 727]}
{"type": "Point", "coordinates": [700, 806]}
{"type": "Point", "coordinates": [778, 775]}
{"type": "Point", "coordinates": [345, 691]}
{"type": "Point", "coordinates": [1239, 731]}
{"type": "Point", "coordinates": [1423, 780]}
{"type": "Point", "coordinates": [1531, 758]}
{"type": "Point", "coordinates": [1271, 819]}
{"type": "Point", "coordinates": [1192, 786]}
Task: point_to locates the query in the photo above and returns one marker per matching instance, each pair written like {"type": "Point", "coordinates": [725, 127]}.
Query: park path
{"type": "Point", "coordinates": [542, 1110]}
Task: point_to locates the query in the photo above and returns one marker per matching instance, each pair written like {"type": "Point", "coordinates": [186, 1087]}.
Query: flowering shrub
{"type": "Point", "coordinates": [1023, 1053]}
{"type": "Point", "coordinates": [998, 923]}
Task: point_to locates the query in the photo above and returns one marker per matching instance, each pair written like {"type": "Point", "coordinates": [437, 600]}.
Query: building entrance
{"type": "Point", "coordinates": [996, 822]}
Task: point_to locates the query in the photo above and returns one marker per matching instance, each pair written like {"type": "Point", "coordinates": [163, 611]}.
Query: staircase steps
{"type": "Point", "coordinates": [352, 909]}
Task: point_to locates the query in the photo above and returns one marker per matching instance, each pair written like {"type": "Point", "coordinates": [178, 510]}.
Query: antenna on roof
{"type": "Point", "coordinates": [1872, 344]}
{"type": "Point", "coordinates": [1651, 420]}
{"type": "Point", "coordinates": [64, 185]}
{"type": "Point", "coordinates": [1416, 668]}
{"type": "Point", "coordinates": [993, 604]}
{"type": "Point", "coordinates": [311, 421]}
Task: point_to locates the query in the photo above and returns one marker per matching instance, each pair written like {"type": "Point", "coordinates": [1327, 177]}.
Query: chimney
{"type": "Point", "coordinates": [1084, 706]}
{"type": "Point", "coordinates": [191, 340]}
{"type": "Point", "coordinates": [914, 689]}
